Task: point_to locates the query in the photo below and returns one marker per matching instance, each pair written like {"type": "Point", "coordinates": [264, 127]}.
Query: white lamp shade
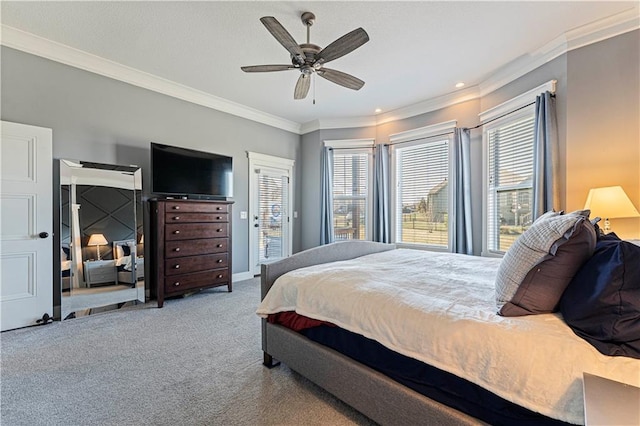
{"type": "Point", "coordinates": [97, 240]}
{"type": "Point", "coordinates": [610, 202]}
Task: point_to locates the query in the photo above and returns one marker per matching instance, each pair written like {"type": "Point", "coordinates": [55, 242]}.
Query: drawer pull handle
{"type": "Point", "coordinates": [218, 208]}
{"type": "Point", "coordinates": [220, 276]}
{"type": "Point", "coordinates": [219, 245]}
{"type": "Point", "coordinates": [176, 207]}
{"type": "Point", "coordinates": [177, 267]}
{"type": "Point", "coordinates": [176, 249]}
{"type": "Point", "coordinates": [219, 260]}
{"type": "Point", "coordinates": [176, 218]}
{"type": "Point", "coordinates": [219, 217]}
{"type": "Point", "coordinates": [219, 230]}
{"type": "Point", "coordinates": [176, 283]}
{"type": "Point", "coordinates": [176, 232]}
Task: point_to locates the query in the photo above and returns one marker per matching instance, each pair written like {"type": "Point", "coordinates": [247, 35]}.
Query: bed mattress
{"type": "Point", "coordinates": [439, 308]}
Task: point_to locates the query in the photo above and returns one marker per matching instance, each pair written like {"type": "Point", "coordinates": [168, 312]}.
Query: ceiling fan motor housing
{"type": "Point", "coordinates": [310, 51]}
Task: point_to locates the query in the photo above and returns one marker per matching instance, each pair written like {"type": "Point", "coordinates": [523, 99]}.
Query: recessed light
{"type": "Point", "coordinates": [459, 85]}
{"type": "Point", "coordinates": [378, 110]}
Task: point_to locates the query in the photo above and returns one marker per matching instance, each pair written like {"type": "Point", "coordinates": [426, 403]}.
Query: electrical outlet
{"type": "Point", "coordinates": [243, 215]}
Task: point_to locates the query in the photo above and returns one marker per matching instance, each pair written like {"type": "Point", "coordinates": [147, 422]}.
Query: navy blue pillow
{"type": "Point", "coordinates": [126, 250]}
{"type": "Point", "coordinates": [67, 253]}
{"type": "Point", "coordinates": [602, 302]}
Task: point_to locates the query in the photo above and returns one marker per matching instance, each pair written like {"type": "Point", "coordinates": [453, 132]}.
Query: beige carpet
{"type": "Point", "coordinates": [196, 361]}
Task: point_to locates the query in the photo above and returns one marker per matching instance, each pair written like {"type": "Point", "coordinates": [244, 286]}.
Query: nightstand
{"type": "Point", "coordinates": [99, 271]}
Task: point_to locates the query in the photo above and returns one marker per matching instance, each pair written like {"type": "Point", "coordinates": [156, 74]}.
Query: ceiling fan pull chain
{"type": "Point", "coordinates": [314, 89]}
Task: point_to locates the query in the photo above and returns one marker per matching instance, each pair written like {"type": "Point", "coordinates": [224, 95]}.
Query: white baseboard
{"type": "Point", "coordinates": [241, 276]}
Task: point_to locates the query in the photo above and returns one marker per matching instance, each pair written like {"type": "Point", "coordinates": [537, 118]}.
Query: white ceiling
{"type": "Point", "coordinates": [418, 50]}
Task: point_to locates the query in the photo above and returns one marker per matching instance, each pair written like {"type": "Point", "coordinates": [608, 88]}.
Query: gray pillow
{"type": "Point", "coordinates": [539, 266]}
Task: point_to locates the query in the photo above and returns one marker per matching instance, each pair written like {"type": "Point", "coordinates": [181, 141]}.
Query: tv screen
{"type": "Point", "coordinates": [186, 172]}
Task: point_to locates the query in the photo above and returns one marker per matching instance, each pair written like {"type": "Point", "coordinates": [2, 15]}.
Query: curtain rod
{"type": "Point", "coordinates": [553, 95]}
{"type": "Point", "coordinates": [352, 147]}
{"type": "Point", "coordinates": [450, 133]}
{"type": "Point", "coordinates": [501, 116]}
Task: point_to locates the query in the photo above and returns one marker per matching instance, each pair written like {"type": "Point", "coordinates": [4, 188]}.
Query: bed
{"type": "Point", "coordinates": [484, 367]}
{"type": "Point", "coordinates": [130, 268]}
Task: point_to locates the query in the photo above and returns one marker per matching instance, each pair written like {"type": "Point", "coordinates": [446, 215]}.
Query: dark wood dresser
{"type": "Point", "coordinates": [191, 246]}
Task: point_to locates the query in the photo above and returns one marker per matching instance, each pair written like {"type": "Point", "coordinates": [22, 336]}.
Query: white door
{"type": "Point", "coordinates": [26, 221]}
{"type": "Point", "coordinates": [269, 209]}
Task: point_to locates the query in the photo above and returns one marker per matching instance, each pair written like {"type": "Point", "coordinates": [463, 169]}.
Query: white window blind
{"type": "Point", "coordinates": [350, 194]}
{"type": "Point", "coordinates": [422, 193]}
{"type": "Point", "coordinates": [510, 180]}
{"type": "Point", "coordinates": [273, 215]}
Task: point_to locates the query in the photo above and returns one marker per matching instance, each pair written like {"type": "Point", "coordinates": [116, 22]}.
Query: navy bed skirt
{"type": "Point", "coordinates": [434, 383]}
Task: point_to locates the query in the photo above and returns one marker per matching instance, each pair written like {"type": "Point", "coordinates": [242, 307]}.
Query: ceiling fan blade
{"type": "Point", "coordinates": [341, 78]}
{"type": "Point", "coordinates": [284, 38]}
{"type": "Point", "coordinates": [302, 87]}
{"type": "Point", "coordinates": [266, 68]}
{"type": "Point", "coordinates": [345, 44]}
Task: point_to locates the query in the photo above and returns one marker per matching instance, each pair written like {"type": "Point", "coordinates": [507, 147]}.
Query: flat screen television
{"type": "Point", "coordinates": [183, 172]}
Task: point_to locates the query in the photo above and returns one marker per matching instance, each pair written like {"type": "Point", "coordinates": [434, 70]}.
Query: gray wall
{"type": "Point", "coordinates": [597, 99]}
{"type": "Point", "coordinates": [603, 123]}
{"type": "Point", "coordinates": [95, 118]}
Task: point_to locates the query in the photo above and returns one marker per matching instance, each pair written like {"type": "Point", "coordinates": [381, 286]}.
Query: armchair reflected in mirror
{"type": "Point", "coordinates": [101, 227]}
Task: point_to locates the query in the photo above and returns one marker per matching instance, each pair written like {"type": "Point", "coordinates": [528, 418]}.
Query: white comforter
{"type": "Point", "coordinates": [440, 308]}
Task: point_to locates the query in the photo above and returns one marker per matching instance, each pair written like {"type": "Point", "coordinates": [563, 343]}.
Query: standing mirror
{"type": "Point", "coordinates": [101, 237]}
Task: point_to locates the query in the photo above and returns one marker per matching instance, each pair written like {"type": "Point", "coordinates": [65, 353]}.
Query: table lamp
{"type": "Point", "coordinates": [610, 202]}
{"type": "Point", "coordinates": [97, 240]}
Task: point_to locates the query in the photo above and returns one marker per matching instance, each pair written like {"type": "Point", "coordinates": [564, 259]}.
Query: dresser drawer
{"type": "Point", "coordinates": [181, 206]}
{"type": "Point", "coordinates": [179, 283]}
{"type": "Point", "coordinates": [190, 231]}
{"type": "Point", "coordinates": [182, 248]}
{"type": "Point", "coordinates": [181, 265]}
{"type": "Point", "coordinates": [179, 217]}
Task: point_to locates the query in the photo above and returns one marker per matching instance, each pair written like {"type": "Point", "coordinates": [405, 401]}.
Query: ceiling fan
{"type": "Point", "coordinates": [310, 58]}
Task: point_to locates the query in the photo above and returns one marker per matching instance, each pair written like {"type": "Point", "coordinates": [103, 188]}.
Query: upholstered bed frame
{"type": "Point", "coordinates": [375, 395]}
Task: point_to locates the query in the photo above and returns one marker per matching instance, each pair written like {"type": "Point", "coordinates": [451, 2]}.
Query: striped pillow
{"type": "Point", "coordinates": [539, 266]}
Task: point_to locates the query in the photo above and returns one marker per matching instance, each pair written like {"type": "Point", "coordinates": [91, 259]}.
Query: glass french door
{"type": "Point", "coordinates": [270, 215]}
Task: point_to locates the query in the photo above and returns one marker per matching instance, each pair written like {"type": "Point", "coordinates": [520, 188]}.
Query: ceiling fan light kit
{"type": "Point", "coordinates": [309, 58]}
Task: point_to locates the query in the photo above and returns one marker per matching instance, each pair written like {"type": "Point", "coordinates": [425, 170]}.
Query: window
{"type": "Point", "coordinates": [508, 169]}
{"type": "Point", "coordinates": [509, 148]}
{"type": "Point", "coordinates": [422, 193]}
{"type": "Point", "coordinates": [352, 176]}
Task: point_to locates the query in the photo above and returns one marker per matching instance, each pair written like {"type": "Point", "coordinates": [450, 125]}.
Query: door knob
{"type": "Point", "coordinates": [43, 234]}
{"type": "Point", "coordinates": [257, 225]}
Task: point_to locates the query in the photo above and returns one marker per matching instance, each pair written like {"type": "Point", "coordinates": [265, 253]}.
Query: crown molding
{"type": "Point", "coordinates": [394, 115]}
{"type": "Point", "coordinates": [593, 32]}
{"type": "Point", "coordinates": [39, 46]}
{"type": "Point", "coordinates": [584, 35]}
{"type": "Point", "coordinates": [337, 123]}
{"type": "Point", "coordinates": [429, 105]}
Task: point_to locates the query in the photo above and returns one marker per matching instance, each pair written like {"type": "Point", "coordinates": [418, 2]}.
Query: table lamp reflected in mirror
{"type": "Point", "coordinates": [97, 240]}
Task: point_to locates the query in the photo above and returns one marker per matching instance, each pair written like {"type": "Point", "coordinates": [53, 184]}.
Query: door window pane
{"type": "Point", "coordinates": [272, 215]}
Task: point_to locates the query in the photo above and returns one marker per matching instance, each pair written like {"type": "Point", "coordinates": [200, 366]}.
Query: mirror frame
{"type": "Point", "coordinates": [78, 298]}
